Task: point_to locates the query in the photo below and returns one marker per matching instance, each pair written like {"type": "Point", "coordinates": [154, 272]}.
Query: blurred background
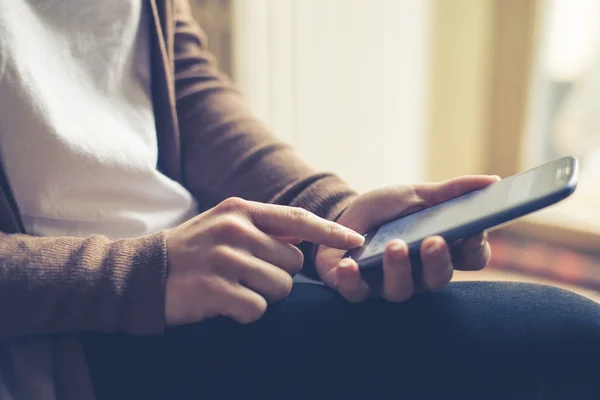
{"type": "Point", "coordinates": [384, 92]}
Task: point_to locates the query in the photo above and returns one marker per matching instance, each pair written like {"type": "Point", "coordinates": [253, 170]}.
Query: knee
{"type": "Point", "coordinates": [544, 312]}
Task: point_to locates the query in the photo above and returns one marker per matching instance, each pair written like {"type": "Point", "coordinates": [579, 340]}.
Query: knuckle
{"type": "Point", "coordinates": [299, 214]}
{"type": "Point", "coordinates": [220, 254]}
{"type": "Point", "coordinates": [231, 226]}
{"type": "Point", "coordinates": [442, 279]}
{"type": "Point", "coordinates": [332, 229]}
{"type": "Point", "coordinates": [284, 287]}
{"type": "Point", "coordinates": [255, 311]}
{"type": "Point", "coordinates": [424, 195]}
{"type": "Point", "coordinates": [297, 261]}
{"type": "Point", "coordinates": [233, 204]}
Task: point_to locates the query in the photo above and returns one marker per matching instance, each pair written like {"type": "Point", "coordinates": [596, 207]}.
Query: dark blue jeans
{"type": "Point", "coordinates": [480, 340]}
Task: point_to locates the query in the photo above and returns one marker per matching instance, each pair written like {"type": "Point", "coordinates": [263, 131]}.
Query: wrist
{"type": "Point", "coordinates": [141, 268]}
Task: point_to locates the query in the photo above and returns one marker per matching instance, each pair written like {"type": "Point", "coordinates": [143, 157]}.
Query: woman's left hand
{"type": "Point", "coordinates": [438, 257]}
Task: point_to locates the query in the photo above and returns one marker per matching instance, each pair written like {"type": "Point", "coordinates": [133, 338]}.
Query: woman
{"type": "Point", "coordinates": [151, 227]}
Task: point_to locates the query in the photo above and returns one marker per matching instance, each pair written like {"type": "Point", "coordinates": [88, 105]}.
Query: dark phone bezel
{"type": "Point", "coordinates": [473, 228]}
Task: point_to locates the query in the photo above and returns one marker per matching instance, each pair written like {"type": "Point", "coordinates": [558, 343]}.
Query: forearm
{"type": "Point", "coordinates": [58, 285]}
{"type": "Point", "coordinates": [227, 151]}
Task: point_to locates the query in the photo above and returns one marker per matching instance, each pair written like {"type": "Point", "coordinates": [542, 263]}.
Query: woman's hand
{"type": "Point", "coordinates": [233, 259]}
{"type": "Point", "coordinates": [439, 258]}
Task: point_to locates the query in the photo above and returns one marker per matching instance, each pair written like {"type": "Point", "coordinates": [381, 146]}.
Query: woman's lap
{"type": "Point", "coordinates": [479, 339]}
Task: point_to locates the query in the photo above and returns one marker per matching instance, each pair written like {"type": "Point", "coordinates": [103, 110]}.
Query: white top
{"type": "Point", "coordinates": [77, 133]}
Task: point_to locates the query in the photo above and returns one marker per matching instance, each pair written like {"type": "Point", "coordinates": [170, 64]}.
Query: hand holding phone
{"type": "Point", "coordinates": [374, 208]}
{"type": "Point", "coordinates": [471, 213]}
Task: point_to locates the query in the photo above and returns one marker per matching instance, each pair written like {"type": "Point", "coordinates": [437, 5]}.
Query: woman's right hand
{"type": "Point", "coordinates": [236, 257]}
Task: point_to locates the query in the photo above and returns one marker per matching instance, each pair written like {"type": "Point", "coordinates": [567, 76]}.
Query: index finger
{"type": "Point", "coordinates": [299, 223]}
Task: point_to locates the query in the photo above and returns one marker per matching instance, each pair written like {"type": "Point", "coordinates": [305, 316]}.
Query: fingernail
{"type": "Point", "coordinates": [345, 263]}
{"type": "Point", "coordinates": [496, 177]}
{"type": "Point", "coordinates": [355, 239]}
{"type": "Point", "coordinates": [398, 250]}
{"type": "Point", "coordinates": [435, 247]}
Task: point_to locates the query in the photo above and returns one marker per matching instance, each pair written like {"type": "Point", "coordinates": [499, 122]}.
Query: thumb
{"type": "Point", "coordinates": [434, 193]}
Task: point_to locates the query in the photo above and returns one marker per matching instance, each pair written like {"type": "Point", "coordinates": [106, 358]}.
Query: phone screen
{"type": "Point", "coordinates": [496, 198]}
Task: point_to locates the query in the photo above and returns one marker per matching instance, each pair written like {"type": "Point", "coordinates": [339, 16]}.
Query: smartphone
{"type": "Point", "coordinates": [473, 212]}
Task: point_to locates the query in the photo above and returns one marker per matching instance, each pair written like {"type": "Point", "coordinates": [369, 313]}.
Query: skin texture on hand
{"type": "Point", "coordinates": [439, 258]}
{"type": "Point", "coordinates": [238, 256]}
